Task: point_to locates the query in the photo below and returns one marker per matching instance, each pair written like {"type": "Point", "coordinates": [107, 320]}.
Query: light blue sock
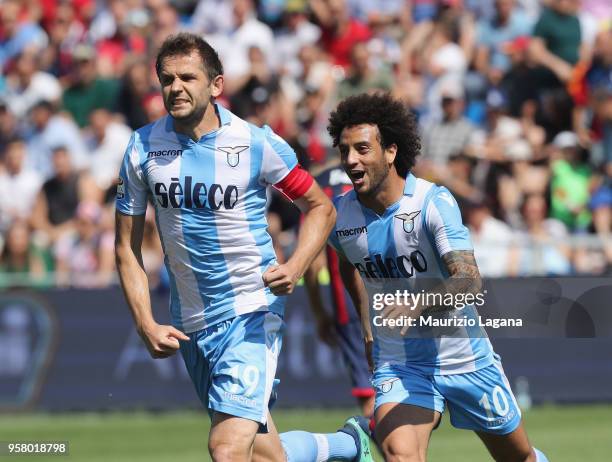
{"type": "Point", "coordinates": [540, 457]}
{"type": "Point", "coordinates": [318, 447]}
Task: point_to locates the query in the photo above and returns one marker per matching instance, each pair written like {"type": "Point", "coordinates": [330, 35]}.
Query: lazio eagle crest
{"type": "Point", "coordinates": [233, 154]}
{"type": "Point", "coordinates": [408, 219]}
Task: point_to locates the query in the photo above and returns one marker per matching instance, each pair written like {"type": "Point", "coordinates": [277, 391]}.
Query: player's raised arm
{"type": "Point", "coordinates": [161, 340]}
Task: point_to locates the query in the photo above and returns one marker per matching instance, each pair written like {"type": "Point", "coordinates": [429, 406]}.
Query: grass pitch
{"type": "Point", "coordinates": [565, 434]}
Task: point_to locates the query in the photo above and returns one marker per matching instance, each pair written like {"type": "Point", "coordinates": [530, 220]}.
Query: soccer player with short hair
{"type": "Point", "coordinates": [206, 171]}
{"type": "Point", "coordinates": [396, 228]}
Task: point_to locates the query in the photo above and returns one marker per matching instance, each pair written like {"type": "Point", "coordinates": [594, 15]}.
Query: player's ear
{"type": "Point", "coordinates": [390, 153]}
{"type": "Point", "coordinates": [216, 86]}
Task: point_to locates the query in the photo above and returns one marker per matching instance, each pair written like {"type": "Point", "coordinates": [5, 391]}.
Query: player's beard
{"type": "Point", "coordinates": [376, 177]}
{"type": "Point", "coordinates": [192, 117]}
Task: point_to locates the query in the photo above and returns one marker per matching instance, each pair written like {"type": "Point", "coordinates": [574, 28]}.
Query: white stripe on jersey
{"type": "Point", "coordinates": [242, 258]}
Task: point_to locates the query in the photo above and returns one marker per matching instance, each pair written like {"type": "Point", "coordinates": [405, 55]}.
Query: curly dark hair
{"type": "Point", "coordinates": [395, 123]}
{"type": "Point", "coordinates": [183, 44]}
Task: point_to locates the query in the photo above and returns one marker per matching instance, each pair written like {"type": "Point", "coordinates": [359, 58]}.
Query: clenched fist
{"type": "Point", "coordinates": [281, 279]}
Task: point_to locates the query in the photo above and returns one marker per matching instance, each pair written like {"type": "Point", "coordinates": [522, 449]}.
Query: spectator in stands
{"type": "Point", "coordinates": [87, 91]}
{"type": "Point", "coordinates": [540, 249]}
{"type": "Point", "coordinates": [85, 258]}
{"type": "Point", "coordinates": [19, 32]}
{"type": "Point", "coordinates": [48, 130]}
{"type": "Point", "coordinates": [66, 31]}
{"type": "Point", "coordinates": [233, 48]}
{"type": "Point", "coordinates": [8, 126]}
{"type": "Point", "coordinates": [26, 85]}
{"type": "Point", "coordinates": [166, 21]}
{"type": "Point", "coordinates": [490, 238]}
{"type": "Point", "coordinates": [57, 201]}
{"type": "Point", "coordinates": [136, 85]}
{"type": "Point", "coordinates": [106, 146]}
{"type": "Point", "coordinates": [129, 39]}
{"type": "Point", "coordinates": [212, 17]}
{"type": "Point", "coordinates": [458, 178]}
{"type": "Point", "coordinates": [18, 184]}
{"type": "Point", "coordinates": [254, 87]}
{"type": "Point", "coordinates": [383, 13]}
{"type": "Point", "coordinates": [570, 183]}
{"type": "Point", "coordinates": [495, 36]}
{"type": "Point", "coordinates": [153, 107]}
{"type": "Point", "coordinates": [296, 33]}
{"type": "Point", "coordinates": [517, 83]}
{"type": "Point", "coordinates": [341, 32]}
{"type": "Point", "coordinates": [21, 262]}
{"type": "Point", "coordinates": [556, 39]}
{"type": "Point", "coordinates": [362, 76]}
{"type": "Point", "coordinates": [449, 136]}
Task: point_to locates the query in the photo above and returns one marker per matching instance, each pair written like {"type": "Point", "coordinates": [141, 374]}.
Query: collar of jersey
{"type": "Point", "coordinates": [225, 118]}
{"type": "Point", "coordinates": [410, 185]}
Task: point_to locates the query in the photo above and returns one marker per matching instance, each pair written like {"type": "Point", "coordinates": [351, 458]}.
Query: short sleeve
{"type": "Point", "coordinates": [132, 189]}
{"type": "Point", "coordinates": [278, 158]}
{"type": "Point", "coordinates": [443, 222]}
{"type": "Point", "coordinates": [541, 27]}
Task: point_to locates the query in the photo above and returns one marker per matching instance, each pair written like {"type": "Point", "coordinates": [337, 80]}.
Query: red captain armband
{"type": "Point", "coordinates": [296, 183]}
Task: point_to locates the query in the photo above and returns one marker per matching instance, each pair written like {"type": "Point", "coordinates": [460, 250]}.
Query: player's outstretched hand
{"type": "Point", "coordinates": [281, 279]}
{"type": "Point", "coordinates": [162, 340]}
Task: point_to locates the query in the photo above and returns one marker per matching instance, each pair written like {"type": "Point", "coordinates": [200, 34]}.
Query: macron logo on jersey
{"type": "Point", "coordinates": [165, 152]}
{"type": "Point", "coordinates": [352, 231]}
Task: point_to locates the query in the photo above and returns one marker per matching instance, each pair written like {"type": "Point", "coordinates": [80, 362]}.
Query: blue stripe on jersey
{"type": "Point", "coordinates": [145, 137]}
{"type": "Point", "coordinates": [280, 146]}
{"type": "Point", "coordinates": [254, 204]}
{"type": "Point", "coordinates": [175, 301]}
{"type": "Point", "coordinates": [123, 173]}
{"type": "Point", "coordinates": [200, 233]}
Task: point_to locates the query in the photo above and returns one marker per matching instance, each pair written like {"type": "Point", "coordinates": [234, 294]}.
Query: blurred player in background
{"type": "Point", "coordinates": [343, 327]}
{"type": "Point", "coordinates": [394, 227]}
{"type": "Point", "coordinates": [207, 172]}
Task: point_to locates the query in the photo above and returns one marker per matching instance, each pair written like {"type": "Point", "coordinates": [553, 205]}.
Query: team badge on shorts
{"type": "Point", "coordinates": [408, 219]}
{"type": "Point", "coordinates": [387, 385]}
{"type": "Point", "coordinates": [233, 154]}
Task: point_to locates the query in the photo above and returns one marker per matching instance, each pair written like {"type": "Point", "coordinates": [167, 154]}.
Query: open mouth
{"type": "Point", "coordinates": [357, 176]}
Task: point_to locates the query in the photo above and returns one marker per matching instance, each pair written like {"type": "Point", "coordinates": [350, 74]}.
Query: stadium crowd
{"type": "Point", "coordinates": [514, 98]}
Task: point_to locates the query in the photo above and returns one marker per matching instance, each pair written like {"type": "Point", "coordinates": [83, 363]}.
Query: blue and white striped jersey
{"type": "Point", "coordinates": [209, 198]}
{"type": "Point", "coordinates": [393, 251]}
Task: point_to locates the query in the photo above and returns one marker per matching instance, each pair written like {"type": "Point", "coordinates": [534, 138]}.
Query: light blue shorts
{"type": "Point", "coordinates": [481, 400]}
{"type": "Point", "coordinates": [233, 363]}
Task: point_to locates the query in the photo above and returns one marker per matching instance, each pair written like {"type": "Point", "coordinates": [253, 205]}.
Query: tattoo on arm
{"type": "Point", "coordinates": [461, 264]}
{"type": "Point", "coordinates": [464, 275]}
